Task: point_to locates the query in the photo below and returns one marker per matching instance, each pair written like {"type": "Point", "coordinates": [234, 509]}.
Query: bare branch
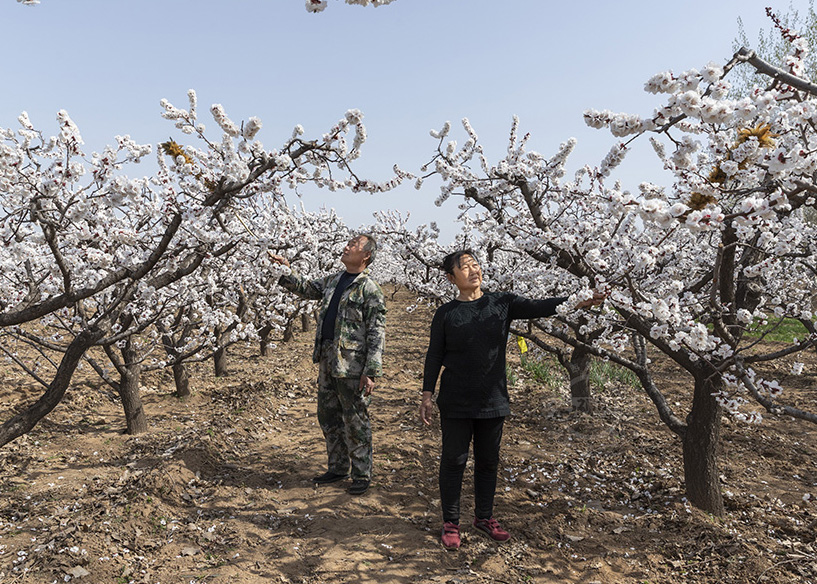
{"type": "Point", "coordinates": [775, 73]}
{"type": "Point", "coordinates": [770, 405]}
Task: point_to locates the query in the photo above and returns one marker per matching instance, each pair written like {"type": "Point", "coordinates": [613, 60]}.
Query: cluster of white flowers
{"type": "Point", "coordinates": [614, 157]}
{"type": "Point", "coordinates": [251, 128]}
{"type": "Point", "coordinates": [185, 119]}
{"type": "Point", "coordinates": [320, 5]}
{"type": "Point", "coordinates": [225, 123]}
{"type": "Point", "coordinates": [620, 125]}
{"type": "Point", "coordinates": [69, 133]}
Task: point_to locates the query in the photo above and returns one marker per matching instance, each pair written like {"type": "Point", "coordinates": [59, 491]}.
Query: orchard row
{"type": "Point", "coordinates": [160, 271]}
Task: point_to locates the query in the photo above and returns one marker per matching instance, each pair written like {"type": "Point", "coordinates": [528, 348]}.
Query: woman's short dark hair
{"type": "Point", "coordinates": [454, 259]}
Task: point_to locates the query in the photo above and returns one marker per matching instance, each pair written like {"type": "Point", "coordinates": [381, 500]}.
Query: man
{"type": "Point", "coordinates": [349, 350]}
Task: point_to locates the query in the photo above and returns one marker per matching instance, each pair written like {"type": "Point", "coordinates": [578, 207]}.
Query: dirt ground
{"type": "Point", "coordinates": [219, 489]}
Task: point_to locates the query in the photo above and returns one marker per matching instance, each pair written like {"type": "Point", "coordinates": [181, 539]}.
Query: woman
{"type": "Point", "coordinates": [468, 339]}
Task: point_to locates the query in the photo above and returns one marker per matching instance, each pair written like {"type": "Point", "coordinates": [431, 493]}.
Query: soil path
{"type": "Point", "coordinates": [219, 489]}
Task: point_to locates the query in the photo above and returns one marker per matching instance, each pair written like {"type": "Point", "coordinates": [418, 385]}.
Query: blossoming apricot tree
{"type": "Point", "coordinates": [703, 270]}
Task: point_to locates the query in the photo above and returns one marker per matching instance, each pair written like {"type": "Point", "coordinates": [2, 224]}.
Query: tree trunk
{"type": "Point", "coordinates": [130, 375]}
{"type": "Point", "coordinates": [700, 448]}
{"type": "Point", "coordinates": [220, 362]}
{"type": "Point", "coordinates": [289, 332]}
{"type": "Point", "coordinates": [264, 334]}
{"type": "Point", "coordinates": [23, 422]}
{"type": "Point", "coordinates": [181, 380]}
{"type": "Point", "coordinates": [304, 322]}
{"type": "Point", "coordinates": [220, 356]}
{"type": "Point", "coordinates": [581, 398]}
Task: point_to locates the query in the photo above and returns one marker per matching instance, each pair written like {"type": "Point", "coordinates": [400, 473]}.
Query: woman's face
{"type": "Point", "coordinates": [468, 275]}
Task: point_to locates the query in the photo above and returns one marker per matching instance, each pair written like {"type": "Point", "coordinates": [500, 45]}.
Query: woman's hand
{"type": "Point", "coordinates": [598, 298]}
{"type": "Point", "coordinates": [426, 408]}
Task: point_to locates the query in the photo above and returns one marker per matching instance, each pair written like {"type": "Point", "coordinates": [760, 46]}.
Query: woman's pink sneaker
{"type": "Point", "coordinates": [491, 528]}
{"type": "Point", "coordinates": [450, 536]}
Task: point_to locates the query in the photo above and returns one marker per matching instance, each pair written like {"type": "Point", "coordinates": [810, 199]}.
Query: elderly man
{"type": "Point", "coordinates": [349, 349]}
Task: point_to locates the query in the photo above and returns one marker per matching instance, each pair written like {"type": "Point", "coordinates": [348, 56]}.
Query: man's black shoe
{"type": "Point", "coordinates": [328, 477]}
{"type": "Point", "coordinates": [358, 487]}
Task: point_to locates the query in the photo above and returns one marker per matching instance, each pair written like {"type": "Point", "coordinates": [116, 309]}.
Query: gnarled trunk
{"type": "Point", "coordinates": [289, 331]}
{"type": "Point", "coordinates": [130, 374]}
{"type": "Point", "coordinates": [581, 398]}
{"type": "Point", "coordinates": [220, 362]}
{"type": "Point", "coordinates": [220, 355]}
{"type": "Point", "coordinates": [700, 443]}
{"type": "Point", "coordinates": [23, 422]}
{"type": "Point", "coordinates": [264, 334]}
{"type": "Point", "coordinates": [181, 379]}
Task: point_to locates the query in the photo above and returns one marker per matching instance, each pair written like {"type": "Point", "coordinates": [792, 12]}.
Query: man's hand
{"type": "Point", "coordinates": [278, 259]}
{"type": "Point", "coordinates": [426, 408]}
{"type": "Point", "coordinates": [366, 385]}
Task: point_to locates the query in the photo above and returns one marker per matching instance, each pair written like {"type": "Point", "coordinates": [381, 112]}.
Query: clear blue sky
{"type": "Point", "coordinates": [409, 66]}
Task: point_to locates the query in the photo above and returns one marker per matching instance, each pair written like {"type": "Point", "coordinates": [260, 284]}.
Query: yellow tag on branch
{"type": "Point", "coordinates": [523, 346]}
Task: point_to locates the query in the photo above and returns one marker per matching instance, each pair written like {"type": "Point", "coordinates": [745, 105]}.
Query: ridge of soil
{"type": "Point", "coordinates": [219, 489]}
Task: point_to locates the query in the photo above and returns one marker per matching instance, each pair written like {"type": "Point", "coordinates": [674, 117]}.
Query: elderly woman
{"type": "Point", "coordinates": [467, 341]}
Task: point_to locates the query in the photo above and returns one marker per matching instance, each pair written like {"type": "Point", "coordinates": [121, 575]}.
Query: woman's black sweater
{"type": "Point", "coordinates": [468, 340]}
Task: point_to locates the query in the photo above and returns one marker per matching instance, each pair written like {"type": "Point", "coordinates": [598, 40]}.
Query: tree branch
{"type": "Point", "coordinates": [771, 406]}
{"type": "Point", "coordinates": [775, 73]}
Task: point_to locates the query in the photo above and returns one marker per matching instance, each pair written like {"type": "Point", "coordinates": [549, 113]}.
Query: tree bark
{"type": "Point", "coordinates": [700, 445]}
{"type": "Point", "coordinates": [220, 355]}
{"type": "Point", "coordinates": [304, 322]}
{"type": "Point", "coordinates": [23, 422]}
{"type": "Point", "coordinates": [220, 362]}
{"type": "Point", "coordinates": [130, 376]}
{"type": "Point", "coordinates": [264, 334]}
{"type": "Point", "coordinates": [581, 397]}
{"type": "Point", "coordinates": [289, 332]}
{"type": "Point", "coordinates": [181, 379]}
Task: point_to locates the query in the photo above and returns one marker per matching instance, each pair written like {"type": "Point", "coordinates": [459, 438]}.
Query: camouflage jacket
{"type": "Point", "coordinates": [360, 328]}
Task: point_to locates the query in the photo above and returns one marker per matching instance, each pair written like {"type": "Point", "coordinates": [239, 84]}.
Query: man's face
{"type": "Point", "coordinates": [353, 254]}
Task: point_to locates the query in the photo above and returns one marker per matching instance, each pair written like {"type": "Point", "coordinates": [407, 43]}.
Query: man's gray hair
{"type": "Point", "coordinates": [370, 246]}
